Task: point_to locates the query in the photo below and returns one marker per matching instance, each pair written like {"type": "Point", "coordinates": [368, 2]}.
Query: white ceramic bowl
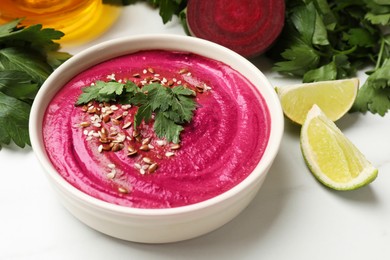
{"type": "Point", "coordinates": [156, 225]}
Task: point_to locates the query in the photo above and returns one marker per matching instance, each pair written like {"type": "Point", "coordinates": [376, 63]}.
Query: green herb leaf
{"type": "Point", "coordinates": [31, 37]}
{"type": "Point", "coordinates": [158, 96]}
{"type": "Point", "coordinates": [100, 91]}
{"type": "Point", "coordinates": [359, 37]}
{"type": "Point", "coordinates": [17, 84]}
{"type": "Point", "coordinates": [89, 93]}
{"type": "Point", "coordinates": [182, 105]}
{"type": "Point", "coordinates": [373, 99]}
{"type": "Point", "coordinates": [144, 113]}
{"type": "Point", "coordinates": [14, 115]}
{"type": "Point", "coordinates": [29, 62]}
{"type": "Point", "coordinates": [299, 58]}
{"type": "Point", "coordinates": [109, 88]}
{"type": "Point", "coordinates": [165, 127]}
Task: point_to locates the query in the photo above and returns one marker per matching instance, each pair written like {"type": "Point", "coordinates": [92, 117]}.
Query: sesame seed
{"type": "Point", "coordinates": [120, 138]}
{"type": "Point", "coordinates": [169, 154]}
{"type": "Point", "coordinates": [126, 125]}
{"type": "Point", "coordinates": [161, 142]}
{"type": "Point", "coordinates": [122, 190]}
{"type": "Point", "coordinates": [146, 140]}
{"type": "Point", "coordinates": [147, 160]}
{"type": "Point", "coordinates": [152, 168]}
{"type": "Point", "coordinates": [114, 107]}
{"type": "Point", "coordinates": [111, 174]}
{"type": "Point", "coordinates": [85, 124]}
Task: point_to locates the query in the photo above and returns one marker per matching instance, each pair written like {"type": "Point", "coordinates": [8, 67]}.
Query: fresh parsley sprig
{"type": "Point", "coordinates": [27, 57]}
{"type": "Point", "coordinates": [172, 107]}
{"type": "Point", "coordinates": [329, 39]}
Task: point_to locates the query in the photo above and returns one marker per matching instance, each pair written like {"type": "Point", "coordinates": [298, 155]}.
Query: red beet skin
{"type": "Point", "coordinates": [248, 27]}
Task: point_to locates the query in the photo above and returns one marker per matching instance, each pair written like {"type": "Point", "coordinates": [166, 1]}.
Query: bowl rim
{"type": "Point", "coordinates": [165, 42]}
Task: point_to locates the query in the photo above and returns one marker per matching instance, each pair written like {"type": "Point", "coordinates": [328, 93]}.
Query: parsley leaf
{"type": "Point", "coordinates": [14, 115]}
{"type": "Point", "coordinates": [374, 95]}
{"type": "Point", "coordinates": [182, 104]}
{"type": "Point", "coordinates": [17, 84]}
{"type": "Point", "coordinates": [144, 113]}
{"type": "Point", "coordinates": [109, 88]}
{"type": "Point", "coordinates": [21, 60]}
{"type": "Point", "coordinates": [27, 57]}
{"type": "Point", "coordinates": [165, 127]}
{"type": "Point", "coordinates": [101, 91]}
{"type": "Point", "coordinates": [298, 59]}
{"type": "Point", "coordinates": [372, 99]}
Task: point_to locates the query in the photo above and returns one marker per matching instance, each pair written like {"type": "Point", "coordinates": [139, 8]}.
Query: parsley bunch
{"type": "Point", "coordinates": [27, 57]}
{"type": "Point", "coordinates": [172, 107]}
{"type": "Point", "coordinates": [330, 39]}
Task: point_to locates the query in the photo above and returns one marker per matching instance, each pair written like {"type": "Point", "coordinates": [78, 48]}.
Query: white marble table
{"type": "Point", "coordinates": [292, 217]}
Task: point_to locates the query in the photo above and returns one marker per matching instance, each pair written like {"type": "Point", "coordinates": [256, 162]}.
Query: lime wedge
{"type": "Point", "coordinates": [334, 97]}
{"type": "Point", "coordinates": [331, 157]}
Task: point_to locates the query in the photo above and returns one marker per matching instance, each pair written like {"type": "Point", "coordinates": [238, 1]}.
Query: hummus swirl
{"type": "Point", "coordinates": [219, 148]}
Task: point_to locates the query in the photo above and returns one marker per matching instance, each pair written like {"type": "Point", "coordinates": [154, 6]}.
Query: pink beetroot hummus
{"type": "Point", "coordinates": [218, 149]}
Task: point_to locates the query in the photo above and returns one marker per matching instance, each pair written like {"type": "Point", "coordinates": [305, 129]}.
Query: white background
{"type": "Point", "coordinates": [292, 217]}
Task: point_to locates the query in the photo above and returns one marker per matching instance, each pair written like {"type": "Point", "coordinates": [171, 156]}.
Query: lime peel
{"type": "Point", "coordinates": [349, 168]}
